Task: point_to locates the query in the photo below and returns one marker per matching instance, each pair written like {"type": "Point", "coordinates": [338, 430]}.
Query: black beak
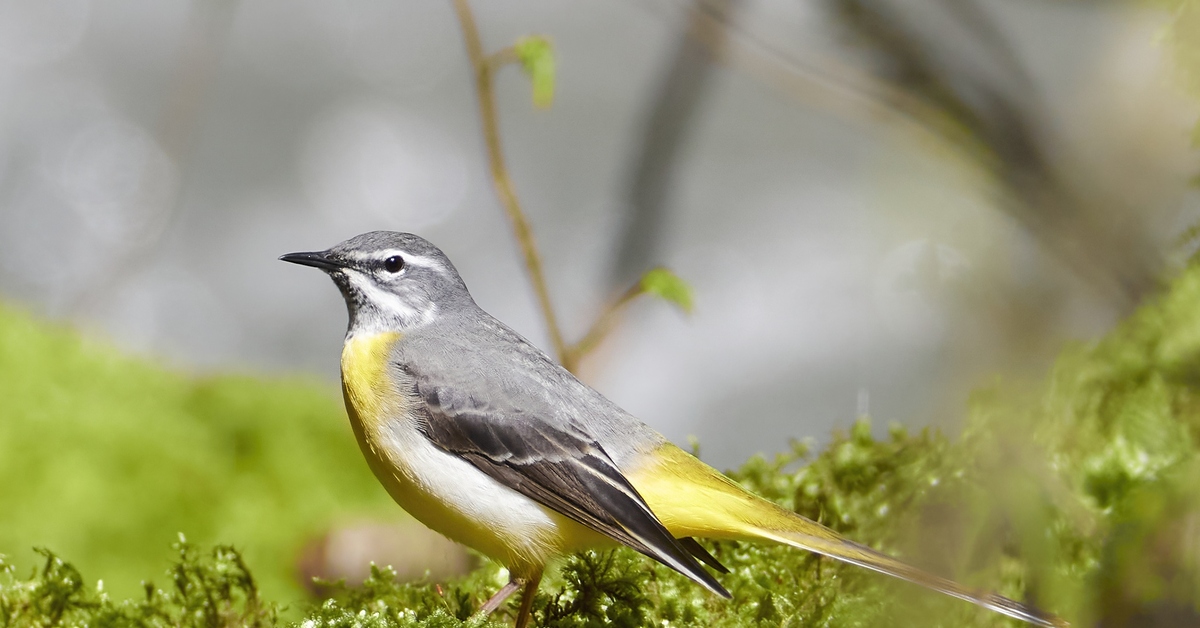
{"type": "Point", "coordinates": [318, 259]}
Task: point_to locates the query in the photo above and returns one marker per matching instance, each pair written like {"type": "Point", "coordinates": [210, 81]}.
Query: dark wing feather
{"type": "Point", "coordinates": [556, 466]}
{"type": "Point", "coordinates": [701, 554]}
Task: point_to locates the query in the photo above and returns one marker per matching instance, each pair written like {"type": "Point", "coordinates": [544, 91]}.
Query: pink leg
{"type": "Point", "coordinates": [500, 596]}
{"type": "Point", "coordinates": [531, 587]}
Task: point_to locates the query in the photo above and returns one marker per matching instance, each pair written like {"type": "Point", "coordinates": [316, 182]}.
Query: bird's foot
{"type": "Point", "coordinates": [500, 596]}
{"type": "Point", "coordinates": [530, 585]}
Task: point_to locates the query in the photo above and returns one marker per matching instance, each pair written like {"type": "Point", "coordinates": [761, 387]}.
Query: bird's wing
{"type": "Point", "coordinates": [553, 463]}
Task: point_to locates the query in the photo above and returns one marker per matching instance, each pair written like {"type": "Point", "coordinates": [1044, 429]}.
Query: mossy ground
{"type": "Point", "coordinates": [107, 458]}
{"type": "Point", "coordinates": [1081, 494]}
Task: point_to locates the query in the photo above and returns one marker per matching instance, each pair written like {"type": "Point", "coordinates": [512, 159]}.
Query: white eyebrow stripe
{"type": "Point", "coordinates": [410, 259]}
{"type": "Point", "coordinates": [421, 260]}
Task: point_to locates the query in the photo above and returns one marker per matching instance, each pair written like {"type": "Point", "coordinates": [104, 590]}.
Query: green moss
{"type": "Point", "coordinates": [206, 591]}
{"type": "Point", "coordinates": [1079, 494]}
{"type": "Point", "coordinates": [106, 458]}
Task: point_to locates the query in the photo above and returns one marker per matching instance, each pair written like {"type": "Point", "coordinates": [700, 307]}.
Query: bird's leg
{"type": "Point", "coordinates": [501, 595]}
{"type": "Point", "coordinates": [531, 587]}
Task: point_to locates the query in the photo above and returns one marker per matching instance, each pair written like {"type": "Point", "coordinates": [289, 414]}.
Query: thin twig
{"type": "Point", "coordinates": [601, 328]}
{"type": "Point", "coordinates": [483, 67]}
{"type": "Point", "coordinates": [501, 58]}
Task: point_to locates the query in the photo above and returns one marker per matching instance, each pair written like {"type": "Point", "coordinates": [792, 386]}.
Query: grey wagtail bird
{"type": "Point", "coordinates": [482, 437]}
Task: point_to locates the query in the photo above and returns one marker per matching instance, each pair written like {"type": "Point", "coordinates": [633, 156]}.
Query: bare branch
{"type": "Point", "coordinates": [603, 325]}
{"type": "Point", "coordinates": [483, 67]}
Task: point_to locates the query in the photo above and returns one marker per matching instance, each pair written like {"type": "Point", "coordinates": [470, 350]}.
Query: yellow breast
{"type": "Point", "coordinates": [440, 489]}
{"type": "Point", "coordinates": [365, 381]}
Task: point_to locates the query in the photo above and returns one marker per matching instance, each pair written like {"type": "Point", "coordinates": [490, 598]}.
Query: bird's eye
{"type": "Point", "coordinates": [393, 264]}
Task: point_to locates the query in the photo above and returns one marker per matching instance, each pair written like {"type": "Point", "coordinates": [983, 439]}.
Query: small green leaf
{"type": "Point", "coordinates": [537, 57]}
{"type": "Point", "coordinates": [665, 284]}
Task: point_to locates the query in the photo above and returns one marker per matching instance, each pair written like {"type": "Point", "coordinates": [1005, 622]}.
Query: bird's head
{"type": "Point", "coordinates": [391, 281]}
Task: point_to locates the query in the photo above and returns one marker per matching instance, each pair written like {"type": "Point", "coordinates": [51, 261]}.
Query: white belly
{"type": "Point", "coordinates": [451, 496]}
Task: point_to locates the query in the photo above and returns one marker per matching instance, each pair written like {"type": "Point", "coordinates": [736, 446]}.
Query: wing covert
{"type": "Point", "coordinates": [556, 464]}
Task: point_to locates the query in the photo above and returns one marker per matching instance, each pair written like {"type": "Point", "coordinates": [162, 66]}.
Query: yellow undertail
{"type": "Point", "coordinates": [694, 500]}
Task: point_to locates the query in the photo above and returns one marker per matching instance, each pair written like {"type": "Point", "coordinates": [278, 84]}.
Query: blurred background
{"type": "Point", "coordinates": [878, 203]}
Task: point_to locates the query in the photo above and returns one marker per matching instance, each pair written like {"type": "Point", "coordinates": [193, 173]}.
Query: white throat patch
{"type": "Point", "coordinates": [390, 305]}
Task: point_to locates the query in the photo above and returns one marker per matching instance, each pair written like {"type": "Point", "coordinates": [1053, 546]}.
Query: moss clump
{"type": "Point", "coordinates": [211, 590]}
{"type": "Point", "coordinates": [105, 458]}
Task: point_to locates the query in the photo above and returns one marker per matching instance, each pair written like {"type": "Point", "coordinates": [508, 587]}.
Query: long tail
{"type": "Point", "coordinates": [863, 556]}
{"type": "Point", "coordinates": [694, 500]}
